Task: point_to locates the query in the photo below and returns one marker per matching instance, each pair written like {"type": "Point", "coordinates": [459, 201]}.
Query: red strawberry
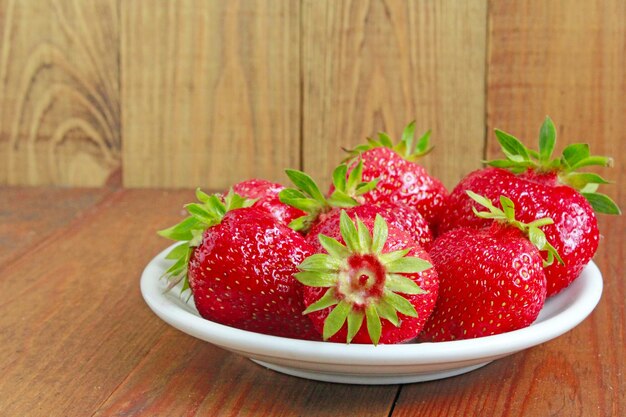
{"type": "Point", "coordinates": [239, 262]}
{"type": "Point", "coordinates": [347, 192]}
{"type": "Point", "coordinates": [400, 179]}
{"type": "Point", "coordinates": [266, 195]}
{"type": "Point", "coordinates": [382, 277]}
{"type": "Point", "coordinates": [491, 279]}
{"type": "Point", "coordinates": [400, 217]}
{"type": "Point", "coordinates": [541, 187]}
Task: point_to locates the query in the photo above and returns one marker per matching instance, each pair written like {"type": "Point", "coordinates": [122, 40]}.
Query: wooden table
{"type": "Point", "coordinates": [76, 338]}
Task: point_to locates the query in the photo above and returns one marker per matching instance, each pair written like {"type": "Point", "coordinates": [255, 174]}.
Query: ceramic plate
{"type": "Point", "coordinates": [367, 364]}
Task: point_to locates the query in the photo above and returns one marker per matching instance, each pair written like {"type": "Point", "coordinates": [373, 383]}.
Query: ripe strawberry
{"type": "Point", "coordinates": [266, 195]}
{"type": "Point", "coordinates": [379, 275]}
{"type": "Point", "coordinates": [491, 279]}
{"type": "Point", "coordinates": [400, 217]}
{"type": "Point", "coordinates": [239, 262]}
{"type": "Point", "coordinates": [400, 179]}
{"type": "Point", "coordinates": [541, 187]}
{"type": "Point", "coordinates": [347, 192]}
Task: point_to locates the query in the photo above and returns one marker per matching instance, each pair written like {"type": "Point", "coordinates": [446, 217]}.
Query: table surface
{"type": "Point", "coordinates": [76, 338]}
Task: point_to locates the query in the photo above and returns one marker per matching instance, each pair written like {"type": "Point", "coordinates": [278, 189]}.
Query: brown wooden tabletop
{"type": "Point", "coordinates": [76, 338]}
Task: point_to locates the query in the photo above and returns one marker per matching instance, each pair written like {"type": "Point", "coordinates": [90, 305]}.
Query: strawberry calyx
{"type": "Point", "coordinates": [348, 192]}
{"type": "Point", "coordinates": [404, 148]}
{"type": "Point", "coordinates": [364, 282]}
{"type": "Point", "coordinates": [506, 215]}
{"type": "Point", "coordinates": [209, 211]}
{"type": "Point", "coordinates": [519, 159]}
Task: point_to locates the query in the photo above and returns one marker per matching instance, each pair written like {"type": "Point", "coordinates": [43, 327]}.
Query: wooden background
{"type": "Point", "coordinates": [206, 93]}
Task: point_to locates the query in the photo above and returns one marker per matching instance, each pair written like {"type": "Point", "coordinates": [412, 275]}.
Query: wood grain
{"type": "Point", "coordinates": [76, 336]}
{"type": "Point", "coordinates": [184, 376]}
{"type": "Point", "coordinates": [77, 339]}
{"type": "Point", "coordinates": [29, 216]}
{"type": "Point", "coordinates": [566, 59]}
{"type": "Point", "coordinates": [210, 91]}
{"type": "Point", "coordinates": [563, 59]}
{"type": "Point", "coordinates": [376, 65]}
{"type": "Point", "coordinates": [72, 322]}
{"type": "Point", "coordinates": [59, 92]}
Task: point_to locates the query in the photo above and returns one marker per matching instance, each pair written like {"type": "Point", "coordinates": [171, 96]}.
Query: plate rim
{"type": "Point", "coordinates": [588, 286]}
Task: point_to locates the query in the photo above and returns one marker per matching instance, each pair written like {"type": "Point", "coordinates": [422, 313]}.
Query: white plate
{"type": "Point", "coordinates": [367, 364]}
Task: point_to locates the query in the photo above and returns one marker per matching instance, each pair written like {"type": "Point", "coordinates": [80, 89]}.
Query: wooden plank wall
{"type": "Point", "coordinates": [192, 93]}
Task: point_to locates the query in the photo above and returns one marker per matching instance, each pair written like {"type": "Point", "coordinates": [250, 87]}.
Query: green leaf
{"type": "Point", "coordinates": [387, 312]}
{"type": "Point", "coordinates": [507, 207]}
{"type": "Point", "coordinates": [196, 237]}
{"type": "Point", "coordinates": [553, 253]}
{"type": "Point", "coordinates": [182, 230]}
{"type": "Point", "coordinates": [408, 135]}
{"type": "Point", "coordinates": [339, 177]}
{"type": "Point", "coordinates": [487, 215]}
{"type": "Point", "coordinates": [379, 234]}
{"type": "Point", "coordinates": [423, 143]}
{"type": "Point", "coordinates": [502, 163]}
{"type": "Point", "coordinates": [185, 287]}
{"type": "Point", "coordinates": [385, 140]}
{"type": "Point", "coordinates": [327, 300]}
{"type": "Point", "coordinates": [355, 321]}
{"type": "Point", "coordinates": [305, 183]}
{"type": "Point", "coordinates": [483, 201]}
{"type": "Point", "coordinates": [400, 283]}
{"type": "Point", "coordinates": [342, 200]}
{"type": "Point", "coordinates": [215, 206]}
{"type": "Point", "coordinates": [202, 196]}
{"type": "Point", "coordinates": [580, 180]}
{"type": "Point", "coordinates": [537, 238]}
{"type": "Point", "coordinates": [349, 232]}
{"type": "Point", "coordinates": [389, 257]}
{"type": "Point", "coordinates": [333, 247]}
{"type": "Point", "coordinates": [355, 176]}
{"type": "Point", "coordinates": [177, 267]}
{"type": "Point", "coordinates": [366, 187]}
{"type": "Point", "coordinates": [541, 222]}
{"type": "Point", "coordinates": [307, 205]}
{"type": "Point", "coordinates": [290, 194]}
{"type": "Point", "coordinates": [320, 262]}
{"type": "Point", "coordinates": [400, 303]}
{"type": "Point", "coordinates": [178, 251]}
{"type": "Point", "coordinates": [295, 198]}
{"type": "Point", "coordinates": [408, 264]}
{"type": "Point", "coordinates": [335, 320]}
{"type": "Point", "coordinates": [316, 279]}
{"type": "Point", "coordinates": [602, 203]}
{"type": "Point", "coordinates": [594, 160]}
{"type": "Point", "coordinates": [574, 153]}
{"type": "Point", "coordinates": [547, 140]}
{"type": "Point", "coordinates": [511, 145]}
{"type": "Point", "coordinates": [365, 239]}
{"type": "Point", "coordinates": [201, 213]}
{"type": "Point", "coordinates": [300, 223]}
{"type": "Point", "coordinates": [589, 188]}
{"type": "Point", "coordinates": [234, 201]}
{"type": "Point", "coordinates": [374, 327]}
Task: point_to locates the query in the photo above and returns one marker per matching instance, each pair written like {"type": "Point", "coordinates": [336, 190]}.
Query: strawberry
{"type": "Point", "coordinates": [400, 179]}
{"type": "Point", "coordinates": [239, 263]}
{"type": "Point", "coordinates": [491, 279]}
{"type": "Point", "coordinates": [347, 192]}
{"type": "Point", "coordinates": [365, 270]}
{"type": "Point", "coordinates": [266, 195]}
{"type": "Point", "coordinates": [400, 217]}
{"type": "Point", "coordinates": [541, 187]}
